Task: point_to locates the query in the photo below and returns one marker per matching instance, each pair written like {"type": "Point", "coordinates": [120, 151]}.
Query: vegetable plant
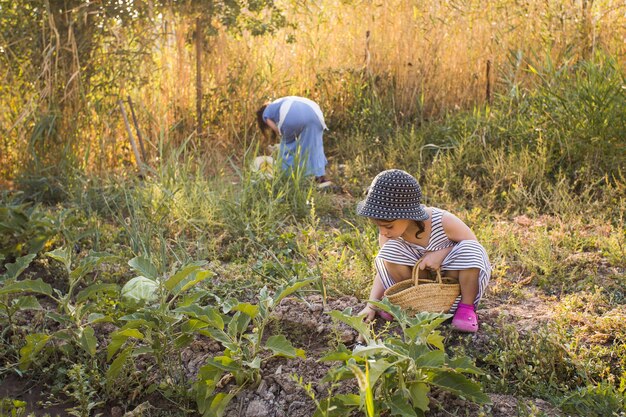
{"type": "Point", "coordinates": [239, 328]}
{"type": "Point", "coordinates": [396, 373]}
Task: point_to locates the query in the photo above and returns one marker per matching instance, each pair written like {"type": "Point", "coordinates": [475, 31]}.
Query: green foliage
{"type": "Point", "coordinates": [596, 401]}
{"type": "Point", "coordinates": [12, 408]}
{"type": "Point", "coordinates": [258, 205]}
{"type": "Point", "coordinates": [83, 390]}
{"type": "Point", "coordinates": [154, 326]}
{"type": "Point", "coordinates": [245, 349]}
{"type": "Point", "coordinates": [24, 229]}
{"type": "Point", "coordinates": [74, 314]}
{"type": "Point", "coordinates": [536, 364]}
{"type": "Point", "coordinates": [395, 374]}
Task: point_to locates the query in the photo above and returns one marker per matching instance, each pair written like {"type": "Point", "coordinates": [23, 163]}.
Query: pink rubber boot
{"type": "Point", "coordinates": [384, 315]}
{"type": "Point", "coordinates": [465, 319]}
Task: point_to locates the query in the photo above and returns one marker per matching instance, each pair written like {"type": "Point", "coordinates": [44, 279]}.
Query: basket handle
{"type": "Point", "coordinates": [416, 274]}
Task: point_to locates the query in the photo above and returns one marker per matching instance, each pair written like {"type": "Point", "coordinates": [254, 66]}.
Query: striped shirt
{"type": "Point", "coordinates": [464, 255]}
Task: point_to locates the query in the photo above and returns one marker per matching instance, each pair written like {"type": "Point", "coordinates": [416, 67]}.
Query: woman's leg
{"type": "Point", "coordinates": [312, 150]}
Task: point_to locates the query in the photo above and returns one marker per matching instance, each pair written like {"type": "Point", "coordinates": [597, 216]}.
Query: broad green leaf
{"type": "Point", "coordinates": [376, 369]}
{"type": "Point", "coordinates": [207, 314]}
{"type": "Point", "coordinates": [254, 364]}
{"type": "Point", "coordinates": [59, 318]}
{"type": "Point", "coordinates": [142, 350]}
{"type": "Point", "coordinates": [182, 341]}
{"type": "Point", "coordinates": [175, 279]}
{"type": "Point", "coordinates": [192, 325]}
{"type": "Point", "coordinates": [219, 335]}
{"type": "Point", "coordinates": [391, 308]}
{"type": "Point", "coordinates": [94, 318]}
{"type": "Point", "coordinates": [36, 286]}
{"type": "Point", "coordinates": [399, 406]}
{"type": "Point", "coordinates": [238, 324]}
{"type": "Point", "coordinates": [119, 337]}
{"type": "Point", "coordinates": [224, 363]}
{"type": "Point", "coordinates": [248, 309]}
{"type": "Point", "coordinates": [283, 347]}
{"type": "Point", "coordinates": [435, 339]}
{"type": "Point", "coordinates": [207, 379]}
{"type": "Point", "coordinates": [34, 344]}
{"type": "Point", "coordinates": [218, 405]}
{"type": "Point", "coordinates": [116, 365]}
{"type": "Point", "coordinates": [140, 289]}
{"type": "Point", "coordinates": [284, 292]}
{"type": "Point", "coordinates": [198, 277]}
{"type": "Point", "coordinates": [228, 304]}
{"type": "Point", "coordinates": [193, 298]}
{"type": "Point", "coordinates": [27, 302]}
{"type": "Point", "coordinates": [355, 322]}
{"type": "Point", "coordinates": [460, 385]}
{"type": "Point", "coordinates": [15, 269]}
{"type": "Point", "coordinates": [341, 354]}
{"type": "Point", "coordinates": [464, 364]}
{"type": "Point", "coordinates": [63, 255]}
{"type": "Point", "coordinates": [144, 266]}
{"type": "Point", "coordinates": [349, 399]}
{"type": "Point", "coordinates": [432, 359]}
{"type": "Point", "coordinates": [88, 264]}
{"type": "Point", "coordinates": [36, 243]}
{"type": "Point", "coordinates": [94, 289]}
{"type": "Point", "coordinates": [371, 349]}
{"type": "Point", "coordinates": [88, 341]}
{"type": "Point", "coordinates": [419, 395]}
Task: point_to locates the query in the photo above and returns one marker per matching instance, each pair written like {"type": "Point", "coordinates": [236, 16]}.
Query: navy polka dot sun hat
{"type": "Point", "coordinates": [394, 194]}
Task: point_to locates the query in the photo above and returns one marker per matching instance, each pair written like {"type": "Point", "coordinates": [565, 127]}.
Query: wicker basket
{"type": "Point", "coordinates": [417, 294]}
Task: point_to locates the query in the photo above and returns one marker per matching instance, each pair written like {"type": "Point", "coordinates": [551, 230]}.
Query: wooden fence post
{"type": "Point", "coordinates": [142, 169]}
{"type": "Point", "coordinates": [139, 138]}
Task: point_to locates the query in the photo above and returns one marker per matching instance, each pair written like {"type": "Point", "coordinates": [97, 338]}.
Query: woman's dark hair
{"type": "Point", "coordinates": [420, 225]}
{"type": "Point", "coordinates": [265, 129]}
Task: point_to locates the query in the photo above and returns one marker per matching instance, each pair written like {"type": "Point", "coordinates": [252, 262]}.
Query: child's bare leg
{"type": "Point", "coordinates": [468, 280]}
{"type": "Point", "coordinates": [398, 272]}
{"type": "Point", "coordinates": [465, 318]}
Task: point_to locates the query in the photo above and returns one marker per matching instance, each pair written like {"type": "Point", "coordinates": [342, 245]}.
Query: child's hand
{"type": "Point", "coordinates": [433, 260]}
{"type": "Point", "coordinates": [368, 313]}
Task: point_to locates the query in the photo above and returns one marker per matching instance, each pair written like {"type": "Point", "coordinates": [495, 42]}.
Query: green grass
{"type": "Point", "coordinates": [536, 175]}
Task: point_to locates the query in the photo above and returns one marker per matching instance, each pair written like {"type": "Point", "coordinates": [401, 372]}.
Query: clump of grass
{"type": "Point", "coordinates": [534, 364]}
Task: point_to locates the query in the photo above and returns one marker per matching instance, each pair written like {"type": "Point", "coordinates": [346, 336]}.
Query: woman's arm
{"type": "Point", "coordinates": [273, 126]}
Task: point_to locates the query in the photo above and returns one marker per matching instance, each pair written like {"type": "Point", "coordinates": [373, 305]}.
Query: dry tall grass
{"type": "Point", "coordinates": [423, 58]}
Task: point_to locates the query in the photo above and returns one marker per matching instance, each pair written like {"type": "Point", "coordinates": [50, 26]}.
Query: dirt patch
{"type": "Point", "coordinates": [527, 311]}
{"type": "Point", "coordinates": [33, 394]}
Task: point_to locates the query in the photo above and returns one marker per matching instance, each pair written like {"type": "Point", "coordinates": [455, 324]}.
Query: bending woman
{"type": "Point", "coordinates": [300, 124]}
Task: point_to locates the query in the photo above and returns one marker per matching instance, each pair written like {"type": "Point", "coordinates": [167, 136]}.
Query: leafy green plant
{"type": "Point", "coordinates": [154, 328]}
{"type": "Point", "coordinates": [245, 348]}
{"type": "Point", "coordinates": [534, 364]}
{"type": "Point", "coordinates": [395, 373]}
{"type": "Point", "coordinates": [12, 408]}
{"type": "Point", "coordinates": [74, 313]}
{"type": "Point", "coordinates": [258, 205]}
{"type": "Point", "coordinates": [596, 401]}
{"type": "Point", "coordinates": [24, 229]}
{"type": "Point", "coordinates": [83, 390]}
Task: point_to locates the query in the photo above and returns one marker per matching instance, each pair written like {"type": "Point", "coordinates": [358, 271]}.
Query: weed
{"type": "Point", "coordinates": [395, 374]}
